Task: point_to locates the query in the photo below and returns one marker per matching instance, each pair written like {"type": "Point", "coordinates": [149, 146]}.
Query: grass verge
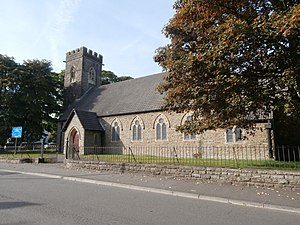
{"type": "Point", "coordinates": [229, 163]}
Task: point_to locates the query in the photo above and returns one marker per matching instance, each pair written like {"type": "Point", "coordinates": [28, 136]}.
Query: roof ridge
{"type": "Point", "coordinates": [132, 80]}
{"type": "Point", "coordinates": [135, 95]}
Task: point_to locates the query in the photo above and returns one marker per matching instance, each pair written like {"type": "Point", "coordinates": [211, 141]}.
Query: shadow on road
{"type": "Point", "coordinates": [12, 205]}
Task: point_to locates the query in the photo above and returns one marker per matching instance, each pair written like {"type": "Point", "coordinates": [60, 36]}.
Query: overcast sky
{"type": "Point", "coordinates": [125, 32]}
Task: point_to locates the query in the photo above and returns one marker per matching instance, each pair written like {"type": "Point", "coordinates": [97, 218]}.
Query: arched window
{"type": "Point", "coordinates": [115, 132]}
{"type": "Point", "coordinates": [187, 136]}
{"type": "Point", "coordinates": [72, 75]}
{"type": "Point", "coordinates": [161, 129]}
{"type": "Point", "coordinates": [229, 135]}
{"type": "Point", "coordinates": [233, 134]}
{"type": "Point", "coordinates": [92, 76]}
{"type": "Point", "coordinates": [136, 131]}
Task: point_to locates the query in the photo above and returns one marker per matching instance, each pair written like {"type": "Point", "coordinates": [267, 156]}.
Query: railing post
{"type": "Point", "coordinates": [132, 154]}
{"type": "Point", "coordinates": [175, 154]}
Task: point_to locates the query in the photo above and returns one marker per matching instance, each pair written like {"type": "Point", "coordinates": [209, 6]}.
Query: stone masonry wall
{"type": "Point", "coordinates": [148, 133]}
{"type": "Point", "coordinates": [174, 138]}
{"type": "Point", "coordinates": [82, 60]}
{"type": "Point", "coordinates": [211, 144]}
{"type": "Point", "coordinates": [249, 177]}
{"type": "Point", "coordinates": [76, 124]}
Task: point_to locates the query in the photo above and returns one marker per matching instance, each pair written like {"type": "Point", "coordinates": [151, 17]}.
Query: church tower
{"type": "Point", "coordinates": [82, 72]}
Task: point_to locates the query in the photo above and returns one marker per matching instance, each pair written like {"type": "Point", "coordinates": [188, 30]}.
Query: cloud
{"type": "Point", "coordinates": [63, 16]}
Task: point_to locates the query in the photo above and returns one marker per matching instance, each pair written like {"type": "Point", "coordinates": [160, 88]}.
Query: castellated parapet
{"type": "Point", "coordinates": [83, 51]}
{"type": "Point", "coordinates": [82, 72]}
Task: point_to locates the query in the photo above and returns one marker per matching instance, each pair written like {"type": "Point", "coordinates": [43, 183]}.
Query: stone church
{"type": "Point", "coordinates": [129, 113]}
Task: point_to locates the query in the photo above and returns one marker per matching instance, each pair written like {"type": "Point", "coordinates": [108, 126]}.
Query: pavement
{"type": "Point", "coordinates": [266, 198]}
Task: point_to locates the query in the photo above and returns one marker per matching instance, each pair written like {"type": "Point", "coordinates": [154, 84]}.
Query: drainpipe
{"type": "Point", "coordinates": [67, 148]}
{"type": "Point", "coordinates": [61, 138]}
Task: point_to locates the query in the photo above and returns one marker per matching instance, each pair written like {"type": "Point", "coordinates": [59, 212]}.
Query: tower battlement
{"type": "Point", "coordinates": [83, 51]}
{"type": "Point", "coordinates": [83, 67]}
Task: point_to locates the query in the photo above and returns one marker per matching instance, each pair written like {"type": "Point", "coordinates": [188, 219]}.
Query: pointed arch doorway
{"type": "Point", "coordinates": [73, 150]}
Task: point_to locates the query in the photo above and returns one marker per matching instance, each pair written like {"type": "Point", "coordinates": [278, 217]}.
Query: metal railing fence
{"type": "Point", "coordinates": [282, 157]}
{"type": "Point", "coordinates": [28, 151]}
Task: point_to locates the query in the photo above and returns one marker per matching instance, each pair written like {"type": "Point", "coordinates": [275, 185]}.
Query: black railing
{"type": "Point", "coordinates": [29, 151]}
{"type": "Point", "coordinates": [230, 156]}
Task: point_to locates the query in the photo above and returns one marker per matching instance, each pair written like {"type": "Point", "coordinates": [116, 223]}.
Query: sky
{"type": "Point", "coordinates": [125, 32]}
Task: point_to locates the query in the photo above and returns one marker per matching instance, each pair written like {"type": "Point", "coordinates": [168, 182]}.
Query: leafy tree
{"type": "Point", "coordinates": [58, 80]}
{"type": "Point", "coordinates": [230, 61]}
{"type": "Point", "coordinates": [108, 77]}
{"type": "Point", "coordinates": [31, 97]}
{"type": "Point", "coordinates": [123, 78]}
{"type": "Point", "coordinates": [8, 75]}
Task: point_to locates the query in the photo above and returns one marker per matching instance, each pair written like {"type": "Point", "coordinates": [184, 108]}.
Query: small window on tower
{"type": "Point", "coordinates": [92, 76]}
{"type": "Point", "coordinates": [72, 75]}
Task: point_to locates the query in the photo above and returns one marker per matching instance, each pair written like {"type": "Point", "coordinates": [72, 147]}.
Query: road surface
{"type": "Point", "coordinates": [27, 199]}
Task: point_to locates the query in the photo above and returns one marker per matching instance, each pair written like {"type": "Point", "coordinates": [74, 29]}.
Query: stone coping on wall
{"type": "Point", "coordinates": [248, 177]}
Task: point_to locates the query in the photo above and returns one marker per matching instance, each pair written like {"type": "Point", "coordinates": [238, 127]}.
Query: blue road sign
{"type": "Point", "coordinates": [16, 132]}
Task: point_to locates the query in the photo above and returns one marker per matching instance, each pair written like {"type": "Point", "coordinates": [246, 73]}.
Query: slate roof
{"type": "Point", "coordinates": [126, 97]}
{"type": "Point", "coordinates": [88, 120]}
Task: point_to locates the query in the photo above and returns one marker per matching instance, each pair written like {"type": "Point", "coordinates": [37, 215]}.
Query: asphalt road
{"type": "Point", "coordinates": [27, 199]}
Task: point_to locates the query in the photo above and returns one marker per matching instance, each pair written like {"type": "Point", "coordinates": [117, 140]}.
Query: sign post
{"type": "Point", "coordinates": [16, 133]}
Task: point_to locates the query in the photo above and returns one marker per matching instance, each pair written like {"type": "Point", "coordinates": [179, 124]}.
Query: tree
{"type": "Point", "coordinates": [108, 77]}
{"type": "Point", "coordinates": [123, 78]}
{"type": "Point", "coordinates": [8, 84]}
{"type": "Point", "coordinates": [31, 97]}
{"type": "Point", "coordinates": [229, 61]}
{"type": "Point", "coordinates": [58, 80]}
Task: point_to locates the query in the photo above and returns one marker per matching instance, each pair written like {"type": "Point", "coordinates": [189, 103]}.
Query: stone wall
{"type": "Point", "coordinates": [148, 132]}
{"type": "Point", "coordinates": [211, 144]}
{"type": "Point", "coordinates": [208, 139]}
{"type": "Point", "coordinates": [81, 60]}
{"type": "Point", "coordinates": [75, 124]}
{"type": "Point", "coordinates": [249, 177]}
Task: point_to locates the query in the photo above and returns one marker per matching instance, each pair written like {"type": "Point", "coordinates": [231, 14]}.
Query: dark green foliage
{"type": "Point", "coordinates": [8, 84]}
{"type": "Point", "coordinates": [30, 96]}
{"type": "Point", "coordinates": [108, 77]}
